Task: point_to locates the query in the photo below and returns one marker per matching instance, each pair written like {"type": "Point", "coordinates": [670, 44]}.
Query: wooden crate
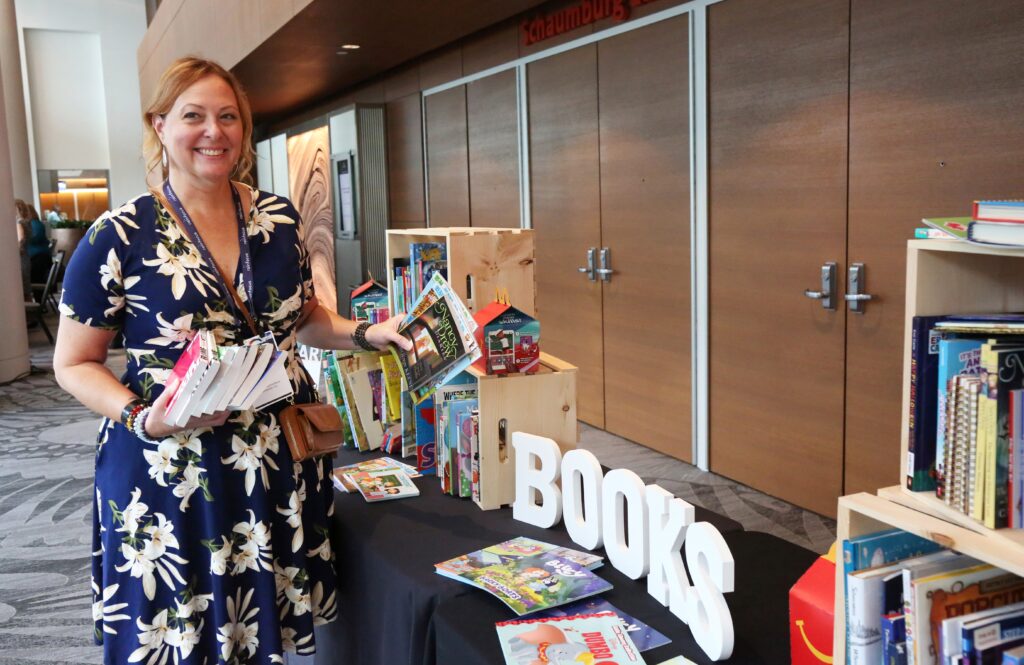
{"type": "Point", "coordinates": [480, 261]}
{"type": "Point", "coordinates": [543, 404]}
{"type": "Point", "coordinates": [865, 513]}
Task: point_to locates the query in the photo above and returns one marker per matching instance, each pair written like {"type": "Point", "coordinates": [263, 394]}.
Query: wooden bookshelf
{"type": "Point", "coordinates": [480, 261]}
{"type": "Point", "coordinates": [943, 277]}
{"type": "Point", "coordinates": [543, 403]}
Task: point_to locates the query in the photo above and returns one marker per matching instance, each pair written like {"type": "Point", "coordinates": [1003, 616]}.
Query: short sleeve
{"type": "Point", "coordinates": [95, 289]}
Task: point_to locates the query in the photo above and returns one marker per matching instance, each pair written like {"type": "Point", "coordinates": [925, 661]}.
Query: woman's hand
{"type": "Point", "coordinates": [156, 428]}
{"type": "Point", "coordinates": [382, 334]}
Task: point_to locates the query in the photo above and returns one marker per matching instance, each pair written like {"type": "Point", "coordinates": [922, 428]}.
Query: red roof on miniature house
{"type": "Point", "coordinates": [491, 312]}
{"type": "Point", "coordinates": [365, 287]}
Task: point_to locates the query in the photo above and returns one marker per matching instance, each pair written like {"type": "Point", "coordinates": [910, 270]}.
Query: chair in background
{"type": "Point", "coordinates": [34, 311]}
{"type": "Point", "coordinates": [46, 294]}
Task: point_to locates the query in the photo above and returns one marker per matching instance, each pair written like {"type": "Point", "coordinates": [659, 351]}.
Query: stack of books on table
{"type": "Point", "coordinates": [441, 330]}
{"type": "Point", "coordinates": [998, 223]}
{"type": "Point", "coordinates": [208, 378]}
{"type": "Point", "coordinates": [909, 602]}
{"type": "Point", "coordinates": [378, 479]}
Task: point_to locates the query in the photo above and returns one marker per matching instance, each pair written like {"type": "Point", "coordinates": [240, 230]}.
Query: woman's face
{"type": "Point", "coordinates": [203, 131]}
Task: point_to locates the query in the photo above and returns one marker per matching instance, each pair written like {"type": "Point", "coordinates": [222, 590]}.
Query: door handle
{"type": "Point", "coordinates": [827, 295]}
{"type": "Point", "coordinates": [855, 299]}
{"type": "Point", "coordinates": [605, 271]}
{"type": "Point", "coordinates": [589, 269]}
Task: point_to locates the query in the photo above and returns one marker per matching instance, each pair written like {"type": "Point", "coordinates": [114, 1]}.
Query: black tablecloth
{"type": "Point", "coordinates": [389, 596]}
{"type": "Point", "coordinates": [766, 567]}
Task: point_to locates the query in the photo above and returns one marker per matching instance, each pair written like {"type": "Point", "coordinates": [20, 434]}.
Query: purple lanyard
{"type": "Point", "coordinates": [244, 257]}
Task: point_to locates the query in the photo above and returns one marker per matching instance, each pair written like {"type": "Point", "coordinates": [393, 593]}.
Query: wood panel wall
{"type": "Point", "coordinates": [777, 98]}
{"type": "Point", "coordinates": [565, 190]}
{"type": "Point", "coordinates": [493, 116]}
{"type": "Point", "coordinates": [935, 108]}
{"type": "Point", "coordinates": [645, 221]}
{"type": "Point", "coordinates": [405, 162]}
{"type": "Point", "coordinates": [448, 158]}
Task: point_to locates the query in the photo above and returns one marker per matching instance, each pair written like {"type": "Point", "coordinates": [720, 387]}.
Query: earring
{"type": "Point", "coordinates": [163, 156]}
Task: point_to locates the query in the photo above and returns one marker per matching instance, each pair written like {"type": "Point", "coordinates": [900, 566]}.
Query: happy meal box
{"type": "Point", "coordinates": [369, 302]}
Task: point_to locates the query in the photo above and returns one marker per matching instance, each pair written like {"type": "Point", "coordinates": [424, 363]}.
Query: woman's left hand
{"type": "Point", "coordinates": [382, 334]}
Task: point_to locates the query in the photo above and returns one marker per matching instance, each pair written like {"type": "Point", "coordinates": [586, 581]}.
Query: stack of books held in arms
{"type": "Point", "coordinates": [208, 378]}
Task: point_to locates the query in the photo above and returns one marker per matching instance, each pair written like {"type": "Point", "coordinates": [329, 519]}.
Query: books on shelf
{"type": "Point", "coordinates": [995, 223]}
{"type": "Point", "coordinates": [591, 638]}
{"type": "Point", "coordinates": [208, 378]}
{"type": "Point", "coordinates": [440, 329]}
{"type": "Point", "coordinates": [527, 575]}
{"type": "Point", "coordinates": [999, 211]}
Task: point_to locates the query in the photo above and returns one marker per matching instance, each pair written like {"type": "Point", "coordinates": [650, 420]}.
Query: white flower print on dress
{"type": "Point", "coordinates": [152, 637]}
{"type": "Point", "coordinates": [176, 462]}
{"type": "Point", "coordinates": [264, 218]}
{"type": "Point", "coordinates": [284, 308]}
{"type": "Point", "coordinates": [174, 334]}
{"type": "Point", "coordinates": [239, 639]}
{"type": "Point", "coordinates": [178, 267]}
{"type": "Point", "coordinates": [149, 550]}
{"type": "Point", "coordinates": [251, 451]}
{"type": "Point", "coordinates": [104, 612]}
{"type": "Point", "coordinates": [116, 218]}
{"type": "Point", "coordinates": [293, 515]}
{"type": "Point", "coordinates": [324, 609]}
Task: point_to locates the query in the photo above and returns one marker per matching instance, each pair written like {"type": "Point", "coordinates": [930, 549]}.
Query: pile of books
{"type": "Point", "coordinates": [966, 434]}
{"type": "Point", "coordinates": [412, 275]}
{"type": "Point", "coordinates": [999, 223]}
{"type": "Point", "coordinates": [366, 388]}
{"type": "Point", "coordinates": [907, 600]}
{"type": "Point", "coordinates": [441, 330]}
{"type": "Point", "coordinates": [208, 378]}
{"type": "Point", "coordinates": [457, 437]}
{"type": "Point", "coordinates": [379, 479]}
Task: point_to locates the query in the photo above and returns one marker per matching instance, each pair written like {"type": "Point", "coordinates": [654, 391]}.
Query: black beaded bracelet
{"type": "Point", "coordinates": [359, 337]}
{"type": "Point", "coordinates": [131, 407]}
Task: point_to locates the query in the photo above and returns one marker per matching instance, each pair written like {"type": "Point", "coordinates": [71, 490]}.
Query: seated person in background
{"type": "Point", "coordinates": [38, 244]}
{"type": "Point", "coordinates": [24, 230]}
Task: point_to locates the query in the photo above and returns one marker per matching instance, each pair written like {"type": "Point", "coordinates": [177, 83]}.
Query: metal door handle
{"type": "Point", "coordinates": [856, 278]}
{"type": "Point", "coordinates": [589, 269]}
{"type": "Point", "coordinates": [828, 286]}
{"type": "Point", "coordinates": [605, 271]}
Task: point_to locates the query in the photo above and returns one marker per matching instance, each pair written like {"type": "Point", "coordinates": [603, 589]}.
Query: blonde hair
{"type": "Point", "coordinates": [177, 78]}
{"type": "Point", "coordinates": [25, 210]}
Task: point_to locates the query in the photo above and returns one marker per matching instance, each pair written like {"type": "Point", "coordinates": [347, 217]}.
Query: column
{"type": "Point", "coordinates": [14, 104]}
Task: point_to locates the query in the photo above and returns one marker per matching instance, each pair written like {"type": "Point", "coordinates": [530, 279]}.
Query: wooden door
{"type": "Point", "coordinates": [777, 138]}
{"type": "Point", "coordinates": [492, 113]}
{"type": "Point", "coordinates": [935, 107]}
{"type": "Point", "coordinates": [566, 213]}
{"type": "Point", "coordinates": [645, 223]}
{"type": "Point", "coordinates": [447, 158]}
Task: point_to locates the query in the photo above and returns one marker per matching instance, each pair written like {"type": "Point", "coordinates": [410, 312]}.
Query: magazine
{"type": "Point", "coordinates": [532, 583]}
{"type": "Point", "coordinates": [643, 636]}
{"type": "Point", "coordinates": [340, 475]}
{"type": "Point", "coordinates": [591, 638]}
{"type": "Point", "coordinates": [441, 331]}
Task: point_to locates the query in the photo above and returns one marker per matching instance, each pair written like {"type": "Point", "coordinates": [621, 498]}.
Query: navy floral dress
{"type": "Point", "coordinates": [212, 546]}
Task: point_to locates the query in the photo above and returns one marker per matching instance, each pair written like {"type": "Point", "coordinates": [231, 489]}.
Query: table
{"type": "Point", "coordinates": [395, 610]}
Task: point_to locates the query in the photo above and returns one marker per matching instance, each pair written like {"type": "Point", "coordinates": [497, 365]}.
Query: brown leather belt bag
{"type": "Point", "coordinates": [311, 430]}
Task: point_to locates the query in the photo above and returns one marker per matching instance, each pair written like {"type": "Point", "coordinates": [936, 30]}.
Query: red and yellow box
{"type": "Point", "coordinates": [812, 613]}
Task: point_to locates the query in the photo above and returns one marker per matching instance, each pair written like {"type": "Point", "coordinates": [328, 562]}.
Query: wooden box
{"type": "Point", "coordinates": [543, 403]}
{"type": "Point", "coordinates": [480, 262]}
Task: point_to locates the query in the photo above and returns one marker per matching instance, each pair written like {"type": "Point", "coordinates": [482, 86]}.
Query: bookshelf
{"type": "Point", "coordinates": [480, 261]}
{"type": "Point", "coordinates": [943, 277]}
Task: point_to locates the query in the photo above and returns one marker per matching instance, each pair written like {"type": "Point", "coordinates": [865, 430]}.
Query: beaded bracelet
{"type": "Point", "coordinates": [359, 337]}
{"type": "Point", "coordinates": [139, 425]}
{"type": "Point", "coordinates": [131, 409]}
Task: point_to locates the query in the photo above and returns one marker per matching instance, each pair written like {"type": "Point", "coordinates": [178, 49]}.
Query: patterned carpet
{"type": "Point", "coordinates": [46, 469]}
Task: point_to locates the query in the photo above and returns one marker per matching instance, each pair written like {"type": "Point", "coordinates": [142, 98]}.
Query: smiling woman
{"type": "Point", "coordinates": [210, 542]}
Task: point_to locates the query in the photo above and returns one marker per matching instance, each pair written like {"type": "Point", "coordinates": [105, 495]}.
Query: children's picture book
{"type": "Point", "coordinates": [384, 485]}
{"type": "Point", "coordinates": [953, 226]}
{"type": "Point", "coordinates": [514, 549]}
{"type": "Point", "coordinates": [643, 636]}
{"type": "Point", "coordinates": [532, 583]}
{"type": "Point", "coordinates": [983, 641]}
{"type": "Point", "coordinates": [342, 482]}
{"type": "Point", "coordinates": [589, 638]}
{"type": "Point", "coordinates": [425, 436]}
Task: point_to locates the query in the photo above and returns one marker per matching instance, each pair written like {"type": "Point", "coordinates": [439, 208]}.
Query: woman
{"type": "Point", "coordinates": [24, 230]}
{"type": "Point", "coordinates": [210, 543]}
{"type": "Point", "coordinates": [37, 244]}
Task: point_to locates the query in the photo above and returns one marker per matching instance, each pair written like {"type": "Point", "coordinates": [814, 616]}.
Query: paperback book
{"type": "Point", "coordinates": [383, 485]}
{"type": "Point", "coordinates": [590, 638]}
{"type": "Point", "coordinates": [643, 636]}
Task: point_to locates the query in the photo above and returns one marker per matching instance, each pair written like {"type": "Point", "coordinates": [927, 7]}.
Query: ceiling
{"type": "Point", "coordinates": [298, 66]}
